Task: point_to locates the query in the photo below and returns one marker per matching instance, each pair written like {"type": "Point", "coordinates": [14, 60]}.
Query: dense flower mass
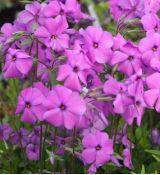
{"type": "Point", "coordinates": [82, 81]}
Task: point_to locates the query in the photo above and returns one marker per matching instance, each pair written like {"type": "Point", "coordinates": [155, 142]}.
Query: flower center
{"type": "Point", "coordinates": [14, 59]}
{"type": "Point", "coordinates": [61, 12]}
{"type": "Point", "coordinates": [90, 80]}
{"type": "Point", "coordinates": [43, 47]}
{"type": "Point", "coordinates": [154, 48]}
{"type": "Point", "coordinates": [63, 142]}
{"type": "Point", "coordinates": [121, 90]}
{"type": "Point", "coordinates": [54, 37]}
{"type": "Point", "coordinates": [62, 107]}
{"type": "Point", "coordinates": [95, 45]}
{"type": "Point", "coordinates": [76, 69]}
{"type": "Point", "coordinates": [98, 147]}
{"type": "Point", "coordinates": [138, 103]}
{"type": "Point", "coordinates": [156, 29]}
{"type": "Point", "coordinates": [130, 58]}
{"type": "Point", "coordinates": [28, 105]}
{"type": "Point", "coordinates": [120, 8]}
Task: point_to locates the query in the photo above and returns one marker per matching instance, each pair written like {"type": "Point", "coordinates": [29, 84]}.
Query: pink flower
{"type": "Point", "coordinates": [98, 149]}
{"type": "Point", "coordinates": [98, 43]}
{"type": "Point", "coordinates": [95, 120]}
{"type": "Point", "coordinates": [73, 73]}
{"type": "Point", "coordinates": [152, 6]}
{"type": "Point", "coordinates": [128, 59]}
{"type": "Point", "coordinates": [65, 107]}
{"type": "Point", "coordinates": [152, 96]}
{"type": "Point", "coordinates": [70, 10]}
{"type": "Point", "coordinates": [30, 105]}
{"type": "Point", "coordinates": [32, 152]}
{"type": "Point", "coordinates": [53, 34]}
{"type": "Point", "coordinates": [56, 9]}
{"type": "Point", "coordinates": [30, 16]}
{"type": "Point", "coordinates": [73, 9]}
{"type": "Point", "coordinates": [150, 47]}
{"type": "Point", "coordinates": [7, 29]}
{"type": "Point", "coordinates": [126, 9]}
{"type": "Point", "coordinates": [151, 23]}
{"type": "Point", "coordinates": [127, 158]}
{"type": "Point", "coordinates": [17, 64]}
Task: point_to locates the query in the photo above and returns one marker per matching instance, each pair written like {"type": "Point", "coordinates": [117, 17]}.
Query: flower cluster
{"type": "Point", "coordinates": [79, 78]}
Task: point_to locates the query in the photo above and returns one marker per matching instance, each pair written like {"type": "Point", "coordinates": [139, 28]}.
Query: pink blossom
{"type": "Point", "coordinates": [65, 107]}
{"type": "Point", "coordinates": [128, 59]}
{"type": "Point", "coordinates": [30, 105]}
{"type": "Point", "coordinates": [52, 33]}
{"type": "Point", "coordinates": [127, 158]}
{"type": "Point", "coordinates": [17, 64]}
{"type": "Point", "coordinates": [73, 73]}
{"type": "Point", "coordinates": [151, 23]}
{"type": "Point", "coordinates": [98, 45]}
{"type": "Point", "coordinates": [98, 148]}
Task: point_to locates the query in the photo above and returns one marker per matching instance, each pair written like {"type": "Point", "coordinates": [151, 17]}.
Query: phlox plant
{"type": "Point", "coordinates": [77, 97]}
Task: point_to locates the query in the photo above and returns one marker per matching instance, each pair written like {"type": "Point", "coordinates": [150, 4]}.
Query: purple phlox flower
{"type": "Point", "coordinates": [34, 136]}
{"type": "Point", "coordinates": [73, 10]}
{"type": "Point", "coordinates": [118, 90]}
{"type": "Point", "coordinates": [152, 6]}
{"type": "Point", "coordinates": [32, 152]}
{"type": "Point", "coordinates": [151, 23]}
{"type": "Point", "coordinates": [7, 29]}
{"type": "Point", "coordinates": [126, 9]}
{"type": "Point", "coordinates": [5, 131]}
{"type": "Point", "coordinates": [52, 34]}
{"type": "Point", "coordinates": [155, 136]}
{"type": "Point", "coordinates": [56, 10]}
{"type": "Point", "coordinates": [136, 91]}
{"type": "Point", "coordinates": [98, 148]}
{"type": "Point", "coordinates": [98, 45]}
{"type": "Point", "coordinates": [126, 142]}
{"type": "Point", "coordinates": [62, 142]}
{"type": "Point", "coordinates": [30, 16]}
{"type": "Point", "coordinates": [127, 158]}
{"type": "Point", "coordinates": [69, 10]}
{"type": "Point", "coordinates": [73, 72]}
{"type": "Point", "coordinates": [17, 64]}
{"type": "Point", "coordinates": [152, 96]}
{"type": "Point", "coordinates": [96, 121]}
{"type": "Point", "coordinates": [150, 47]}
{"type": "Point", "coordinates": [92, 79]}
{"type": "Point", "coordinates": [124, 103]}
{"type": "Point", "coordinates": [19, 138]}
{"type": "Point", "coordinates": [92, 169]}
{"type": "Point", "coordinates": [79, 50]}
{"type": "Point", "coordinates": [41, 87]}
{"type": "Point", "coordinates": [65, 107]}
{"type": "Point", "coordinates": [128, 59]}
{"type": "Point", "coordinates": [30, 105]}
{"type": "Point", "coordinates": [119, 41]}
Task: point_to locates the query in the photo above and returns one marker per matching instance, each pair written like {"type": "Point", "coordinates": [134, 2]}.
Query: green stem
{"type": "Point", "coordinates": [116, 130]}
{"type": "Point", "coordinates": [40, 148]}
{"type": "Point", "coordinates": [73, 148]}
{"type": "Point", "coordinates": [44, 145]}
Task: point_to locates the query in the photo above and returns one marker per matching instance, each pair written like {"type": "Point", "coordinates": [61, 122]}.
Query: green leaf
{"type": "Point", "coordinates": [138, 133]}
{"type": "Point", "coordinates": [156, 157]}
{"type": "Point", "coordinates": [156, 152]}
{"type": "Point", "coordinates": [26, 42]}
{"type": "Point", "coordinates": [143, 170]}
